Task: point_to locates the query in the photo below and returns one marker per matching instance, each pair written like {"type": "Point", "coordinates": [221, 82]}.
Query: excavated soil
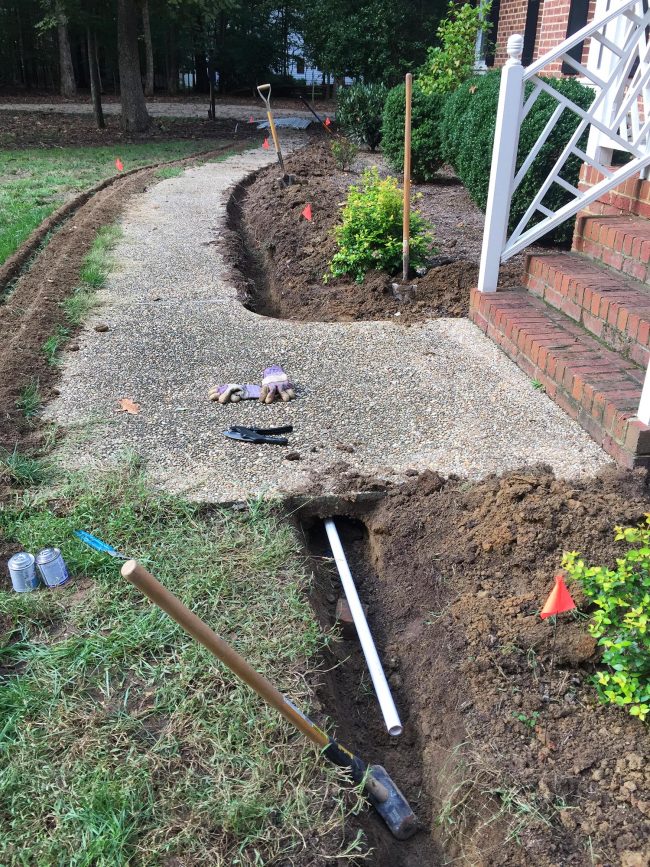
{"type": "Point", "coordinates": [282, 257]}
{"type": "Point", "coordinates": [502, 768]}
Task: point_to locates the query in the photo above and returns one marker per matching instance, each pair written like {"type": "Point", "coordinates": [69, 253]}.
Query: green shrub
{"type": "Point", "coordinates": [452, 62]}
{"type": "Point", "coordinates": [621, 620]}
{"type": "Point", "coordinates": [370, 236]}
{"type": "Point", "coordinates": [426, 113]}
{"type": "Point", "coordinates": [467, 132]}
{"type": "Point", "coordinates": [344, 152]}
{"type": "Point", "coordinates": [359, 112]}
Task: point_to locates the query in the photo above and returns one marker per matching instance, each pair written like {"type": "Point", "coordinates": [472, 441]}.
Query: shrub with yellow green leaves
{"type": "Point", "coordinates": [620, 622]}
{"type": "Point", "coordinates": [370, 236]}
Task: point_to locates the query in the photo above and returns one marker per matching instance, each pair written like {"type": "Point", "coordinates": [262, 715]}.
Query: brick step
{"type": "Point", "coordinates": [614, 308]}
{"type": "Point", "coordinates": [632, 197]}
{"type": "Point", "coordinates": [594, 385]}
{"type": "Point", "coordinates": [622, 242]}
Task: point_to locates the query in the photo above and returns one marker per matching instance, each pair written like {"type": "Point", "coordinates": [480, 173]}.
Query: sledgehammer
{"type": "Point", "coordinates": [382, 792]}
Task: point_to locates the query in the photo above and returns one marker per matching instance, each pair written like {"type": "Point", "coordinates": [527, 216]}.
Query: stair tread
{"type": "Point", "coordinates": [603, 368]}
{"type": "Point", "coordinates": [605, 279]}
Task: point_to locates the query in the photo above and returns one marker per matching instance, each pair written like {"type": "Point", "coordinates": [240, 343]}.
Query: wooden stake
{"type": "Point", "coordinates": [406, 222]}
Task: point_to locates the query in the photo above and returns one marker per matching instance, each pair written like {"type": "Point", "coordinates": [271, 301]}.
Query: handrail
{"type": "Point", "coordinates": [616, 118]}
{"type": "Point", "coordinates": [576, 38]}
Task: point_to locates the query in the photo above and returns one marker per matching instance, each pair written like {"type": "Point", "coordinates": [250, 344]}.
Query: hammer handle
{"type": "Point", "coordinates": [170, 604]}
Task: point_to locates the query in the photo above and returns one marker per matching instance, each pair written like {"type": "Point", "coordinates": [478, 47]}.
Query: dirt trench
{"type": "Point", "coordinates": [32, 309]}
{"type": "Point", "coordinates": [501, 766]}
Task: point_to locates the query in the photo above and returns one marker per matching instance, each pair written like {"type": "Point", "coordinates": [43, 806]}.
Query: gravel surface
{"type": "Point", "coordinates": [162, 109]}
{"type": "Point", "coordinates": [378, 396]}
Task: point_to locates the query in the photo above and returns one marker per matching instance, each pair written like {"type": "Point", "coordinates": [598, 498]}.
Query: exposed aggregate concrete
{"type": "Point", "coordinates": [380, 397]}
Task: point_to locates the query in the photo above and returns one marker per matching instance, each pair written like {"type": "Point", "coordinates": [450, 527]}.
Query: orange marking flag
{"type": "Point", "coordinates": [119, 165]}
{"type": "Point", "coordinates": [306, 212]}
{"type": "Point", "coordinates": [559, 599]}
{"type": "Point", "coordinates": [265, 144]}
{"type": "Point", "coordinates": [327, 121]}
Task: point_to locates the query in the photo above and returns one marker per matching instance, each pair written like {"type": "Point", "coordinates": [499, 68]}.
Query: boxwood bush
{"type": "Point", "coordinates": [426, 151]}
{"type": "Point", "coordinates": [467, 135]}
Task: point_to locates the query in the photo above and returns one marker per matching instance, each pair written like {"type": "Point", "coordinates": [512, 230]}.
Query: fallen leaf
{"type": "Point", "coordinates": [127, 405]}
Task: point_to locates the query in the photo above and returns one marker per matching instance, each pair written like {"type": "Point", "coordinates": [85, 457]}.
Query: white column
{"type": "Point", "coordinates": [644, 404]}
{"type": "Point", "coordinates": [504, 156]}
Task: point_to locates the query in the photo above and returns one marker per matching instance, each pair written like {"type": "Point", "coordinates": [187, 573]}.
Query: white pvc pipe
{"type": "Point", "coordinates": [379, 681]}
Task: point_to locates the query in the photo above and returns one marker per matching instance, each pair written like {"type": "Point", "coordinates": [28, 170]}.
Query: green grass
{"type": "Point", "coordinates": [35, 181]}
{"type": "Point", "coordinates": [52, 346]}
{"type": "Point", "coordinates": [30, 400]}
{"type": "Point", "coordinates": [98, 262]}
{"type": "Point", "coordinates": [122, 740]}
{"type": "Point", "coordinates": [21, 469]}
{"type": "Point", "coordinates": [170, 172]}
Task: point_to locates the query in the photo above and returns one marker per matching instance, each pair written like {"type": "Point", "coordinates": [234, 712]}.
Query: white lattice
{"type": "Point", "coordinates": [619, 72]}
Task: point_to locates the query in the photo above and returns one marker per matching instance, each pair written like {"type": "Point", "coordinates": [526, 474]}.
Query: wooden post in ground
{"type": "Point", "coordinates": [406, 221]}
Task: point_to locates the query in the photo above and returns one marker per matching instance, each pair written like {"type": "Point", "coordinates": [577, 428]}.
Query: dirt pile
{"type": "Point", "coordinates": [513, 773]}
{"type": "Point", "coordinates": [283, 258]}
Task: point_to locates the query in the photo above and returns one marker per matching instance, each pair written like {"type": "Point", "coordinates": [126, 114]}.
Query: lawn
{"type": "Point", "coordinates": [34, 182]}
{"type": "Point", "coordinates": [123, 741]}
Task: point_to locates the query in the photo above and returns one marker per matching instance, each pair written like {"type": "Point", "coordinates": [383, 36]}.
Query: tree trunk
{"type": "Point", "coordinates": [135, 117]}
{"type": "Point", "coordinates": [95, 87]}
{"type": "Point", "coordinates": [148, 45]}
{"type": "Point", "coordinates": [172, 63]}
{"type": "Point", "coordinates": [68, 84]}
{"type": "Point", "coordinates": [202, 81]}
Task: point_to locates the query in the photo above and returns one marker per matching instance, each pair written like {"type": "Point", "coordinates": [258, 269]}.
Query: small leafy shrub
{"type": "Point", "coordinates": [452, 62]}
{"type": "Point", "coordinates": [426, 115]}
{"type": "Point", "coordinates": [344, 152]}
{"type": "Point", "coordinates": [620, 622]}
{"type": "Point", "coordinates": [359, 111]}
{"type": "Point", "coordinates": [370, 236]}
{"type": "Point", "coordinates": [467, 135]}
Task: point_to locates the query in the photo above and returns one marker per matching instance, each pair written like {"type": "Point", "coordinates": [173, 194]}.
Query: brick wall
{"type": "Point", "coordinates": [551, 28]}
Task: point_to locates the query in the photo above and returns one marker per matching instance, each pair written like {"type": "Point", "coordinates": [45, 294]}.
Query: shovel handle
{"type": "Point", "coordinates": [171, 605]}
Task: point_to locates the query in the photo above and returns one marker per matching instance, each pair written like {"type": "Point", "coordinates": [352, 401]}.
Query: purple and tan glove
{"type": "Point", "coordinates": [275, 383]}
{"type": "Point", "coordinates": [233, 392]}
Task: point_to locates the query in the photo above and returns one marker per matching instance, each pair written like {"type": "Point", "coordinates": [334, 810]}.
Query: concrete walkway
{"type": "Point", "coordinates": [381, 397]}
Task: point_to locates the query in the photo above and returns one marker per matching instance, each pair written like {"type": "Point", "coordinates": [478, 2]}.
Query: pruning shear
{"type": "Point", "coordinates": [259, 434]}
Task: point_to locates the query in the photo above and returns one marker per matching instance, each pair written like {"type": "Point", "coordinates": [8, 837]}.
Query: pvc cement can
{"type": "Point", "coordinates": [52, 567]}
{"type": "Point", "coordinates": [23, 572]}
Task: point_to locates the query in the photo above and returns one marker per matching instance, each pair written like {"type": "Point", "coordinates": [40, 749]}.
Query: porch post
{"type": "Point", "coordinates": [504, 156]}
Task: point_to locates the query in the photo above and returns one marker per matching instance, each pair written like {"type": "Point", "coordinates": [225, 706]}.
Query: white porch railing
{"type": "Point", "coordinates": [618, 69]}
{"type": "Point", "coordinates": [620, 75]}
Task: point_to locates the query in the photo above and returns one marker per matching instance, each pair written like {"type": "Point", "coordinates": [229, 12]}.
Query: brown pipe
{"type": "Point", "coordinates": [199, 630]}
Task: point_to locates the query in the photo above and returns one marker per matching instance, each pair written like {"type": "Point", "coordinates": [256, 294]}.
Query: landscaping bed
{"type": "Point", "coordinates": [283, 258]}
{"type": "Point", "coordinates": [502, 768]}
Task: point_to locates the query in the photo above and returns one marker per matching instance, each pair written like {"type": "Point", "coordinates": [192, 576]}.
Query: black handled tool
{"type": "Point", "coordinates": [259, 434]}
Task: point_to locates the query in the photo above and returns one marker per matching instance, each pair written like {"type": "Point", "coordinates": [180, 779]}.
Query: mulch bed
{"type": "Point", "coordinates": [283, 258]}
{"type": "Point", "coordinates": [47, 129]}
{"type": "Point", "coordinates": [454, 575]}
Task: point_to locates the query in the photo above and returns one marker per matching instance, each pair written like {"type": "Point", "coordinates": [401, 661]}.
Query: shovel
{"type": "Point", "coordinates": [264, 91]}
{"type": "Point", "coordinates": [382, 792]}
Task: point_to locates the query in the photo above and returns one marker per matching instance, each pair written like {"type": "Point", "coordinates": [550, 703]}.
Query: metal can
{"type": "Point", "coordinates": [23, 572]}
{"type": "Point", "coordinates": [52, 567]}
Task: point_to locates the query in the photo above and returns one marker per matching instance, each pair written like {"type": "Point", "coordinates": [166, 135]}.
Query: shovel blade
{"type": "Point", "coordinates": [392, 806]}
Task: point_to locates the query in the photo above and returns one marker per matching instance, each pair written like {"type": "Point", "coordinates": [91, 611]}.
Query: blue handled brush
{"type": "Point", "coordinates": [97, 544]}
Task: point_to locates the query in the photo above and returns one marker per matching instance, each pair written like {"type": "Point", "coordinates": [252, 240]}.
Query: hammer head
{"type": "Point", "coordinates": [390, 803]}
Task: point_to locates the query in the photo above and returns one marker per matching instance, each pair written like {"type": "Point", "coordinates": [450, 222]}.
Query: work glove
{"type": "Point", "coordinates": [233, 392]}
{"type": "Point", "coordinates": [275, 383]}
